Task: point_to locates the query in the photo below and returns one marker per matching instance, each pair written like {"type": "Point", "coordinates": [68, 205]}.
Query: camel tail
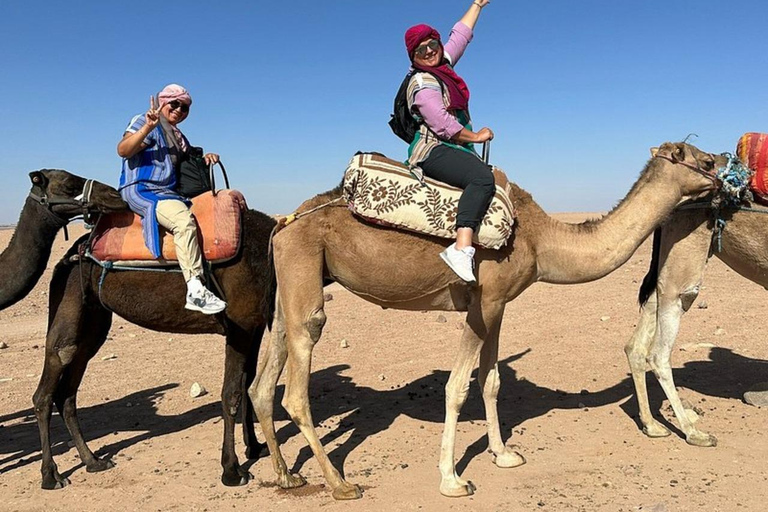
{"type": "Point", "coordinates": [270, 296]}
{"type": "Point", "coordinates": [650, 279]}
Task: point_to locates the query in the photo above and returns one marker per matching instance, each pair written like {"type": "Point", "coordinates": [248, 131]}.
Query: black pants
{"type": "Point", "coordinates": [464, 170]}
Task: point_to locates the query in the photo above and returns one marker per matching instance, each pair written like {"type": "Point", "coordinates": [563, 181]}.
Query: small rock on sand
{"type": "Point", "coordinates": [441, 319]}
{"type": "Point", "coordinates": [758, 395]}
{"type": "Point", "coordinates": [328, 297]}
{"type": "Point", "coordinates": [3, 345]}
{"type": "Point", "coordinates": [197, 390]}
{"type": "Point", "coordinates": [604, 318]}
{"type": "Point", "coordinates": [344, 344]}
{"type": "Point", "coordinates": [110, 357]}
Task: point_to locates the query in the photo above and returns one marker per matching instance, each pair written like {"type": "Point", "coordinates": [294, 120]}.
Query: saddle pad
{"type": "Point", "coordinates": [752, 149]}
{"type": "Point", "coordinates": [383, 191]}
{"type": "Point", "coordinates": [118, 237]}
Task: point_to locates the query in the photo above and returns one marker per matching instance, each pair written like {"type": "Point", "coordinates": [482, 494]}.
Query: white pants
{"type": "Point", "coordinates": [175, 216]}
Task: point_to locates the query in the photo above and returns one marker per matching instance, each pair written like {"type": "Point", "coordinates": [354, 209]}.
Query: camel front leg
{"type": "Point", "coordinates": [637, 349]}
{"type": "Point", "coordinates": [262, 393]}
{"type": "Point", "coordinates": [668, 324]}
{"type": "Point", "coordinates": [488, 378]}
{"type": "Point", "coordinates": [457, 390]}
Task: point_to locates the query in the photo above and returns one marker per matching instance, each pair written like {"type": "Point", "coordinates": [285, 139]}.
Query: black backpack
{"type": "Point", "coordinates": [402, 122]}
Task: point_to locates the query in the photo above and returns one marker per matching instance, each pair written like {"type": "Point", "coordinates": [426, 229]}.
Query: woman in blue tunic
{"type": "Point", "coordinates": [152, 147]}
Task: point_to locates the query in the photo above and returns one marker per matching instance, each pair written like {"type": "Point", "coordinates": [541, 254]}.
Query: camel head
{"type": "Point", "coordinates": [68, 195]}
{"type": "Point", "coordinates": [693, 170]}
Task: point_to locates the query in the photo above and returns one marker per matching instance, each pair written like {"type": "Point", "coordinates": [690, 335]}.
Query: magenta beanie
{"type": "Point", "coordinates": [418, 33]}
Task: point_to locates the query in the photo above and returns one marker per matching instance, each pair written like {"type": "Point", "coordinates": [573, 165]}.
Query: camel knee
{"type": "Point", "coordinates": [314, 324]}
{"type": "Point", "coordinates": [687, 297]}
{"type": "Point", "coordinates": [492, 384]}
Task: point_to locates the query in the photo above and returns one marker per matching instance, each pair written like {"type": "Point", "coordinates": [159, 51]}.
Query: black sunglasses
{"type": "Point", "coordinates": [421, 50]}
{"type": "Point", "coordinates": [176, 104]}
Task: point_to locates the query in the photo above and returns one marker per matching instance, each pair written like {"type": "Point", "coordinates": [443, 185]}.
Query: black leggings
{"type": "Point", "coordinates": [464, 170]}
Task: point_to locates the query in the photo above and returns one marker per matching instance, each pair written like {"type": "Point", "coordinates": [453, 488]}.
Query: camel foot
{"type": "Point", "coordinates": [697, 438]}
{"type": "Point", "coordinates": [347, 491]}
{"type": "Point", "coordinates": [508, 459]}
{"type": "Point", "coordinates": [235, 478]}
{"type": "Point", "coordinates": [655, 429]}
{"type": "Point", "coordinates": [99, 465]}
{"type": "Point", "coordinates": [457, 488]}
{"type": "Point", "coordinates": [289, 481]}
{"type": "Point", "coordinates": [256, 451]}
{"type": "Point", "coordinates": [53, 481]}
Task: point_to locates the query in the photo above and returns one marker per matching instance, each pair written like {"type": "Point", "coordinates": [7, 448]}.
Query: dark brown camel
{"type": "Point", "coordinates": [79, 319]}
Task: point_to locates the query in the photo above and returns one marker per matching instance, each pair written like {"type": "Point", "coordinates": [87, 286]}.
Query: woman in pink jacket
{"type": "Point", "coordinates": [443, 146]}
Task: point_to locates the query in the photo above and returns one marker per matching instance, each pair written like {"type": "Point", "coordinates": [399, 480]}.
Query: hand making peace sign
{"type": "Point", "coordinates": [152, 117]}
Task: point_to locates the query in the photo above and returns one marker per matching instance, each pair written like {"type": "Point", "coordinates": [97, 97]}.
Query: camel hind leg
{"type": "Point", "coordinates": [637, 350]}
{"type": "Point", "coordinates": [253, 448]}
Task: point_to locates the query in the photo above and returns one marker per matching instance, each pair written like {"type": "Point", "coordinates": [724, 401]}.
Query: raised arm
{"type": "Point", "coordinates": [470, 17]}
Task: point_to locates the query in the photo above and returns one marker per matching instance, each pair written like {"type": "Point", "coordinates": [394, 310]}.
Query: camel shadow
{"type": "Point", "coordinates": [137, 412]}
{"type": "Point", "coordinates": [369, 411]}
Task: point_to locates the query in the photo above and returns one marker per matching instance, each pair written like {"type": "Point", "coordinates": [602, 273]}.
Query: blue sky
{"type": "Point", "coordinates": [575, 90]}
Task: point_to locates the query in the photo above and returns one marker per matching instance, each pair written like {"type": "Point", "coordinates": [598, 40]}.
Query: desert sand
{"type": "Point", "coordinates": [565, 402]}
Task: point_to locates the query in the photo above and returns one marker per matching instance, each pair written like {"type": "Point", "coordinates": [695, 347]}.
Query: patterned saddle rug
{"type": "Point", "coordinates": [118, 238]}
{"type": "Point", "coordinates": [384, 192]}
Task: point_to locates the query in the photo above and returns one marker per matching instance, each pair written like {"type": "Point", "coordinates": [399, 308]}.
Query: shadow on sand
{"type": "Point", "coordinates": [369, 411]}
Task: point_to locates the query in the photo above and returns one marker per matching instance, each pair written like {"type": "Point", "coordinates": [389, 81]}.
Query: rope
{"type": "Point", "coordinates": [296, 216]}
{"type": "Point", "coordinates": [734, 179]}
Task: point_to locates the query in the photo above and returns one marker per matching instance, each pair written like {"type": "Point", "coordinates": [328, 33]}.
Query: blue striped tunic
{"type": "Point", "coordinates": [147, 178]}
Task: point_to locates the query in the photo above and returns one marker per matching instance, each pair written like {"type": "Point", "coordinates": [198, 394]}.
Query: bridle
{"type": "Point", "coordinates": [710, 175]}
{"type": "Point", "coordinates": [82, 201]}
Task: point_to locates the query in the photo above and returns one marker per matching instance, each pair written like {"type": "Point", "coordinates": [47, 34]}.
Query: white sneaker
{"type": "Point", "coordinates": [205, 302]}
{"type": "Point", "coordinates": [461, 261]}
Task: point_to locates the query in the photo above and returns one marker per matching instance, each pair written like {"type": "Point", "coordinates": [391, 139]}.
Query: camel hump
{"type": "Point", "coordinates": [385, 192]}
{"type": "Point", "coordinates": [501, 180]}
{"type": "Point", "coordinates": [118, 237]}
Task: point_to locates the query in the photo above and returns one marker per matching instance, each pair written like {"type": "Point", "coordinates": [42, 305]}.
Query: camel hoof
{"type": "Point", "coordinates": [240, 477]}
{"type": "Point", "coordinates": [99, 465]}
{"type": "Point", "coordinates": [508, 459]}
{"type": "Point", "coordinates": [54, 483]}
{"type": "Point", "coordinates": [701, 439]}
{"type": "Point", "coordinates": [347, 491]}
{"type": "Point", "coordinates": [458, 490]}
{"type": "Point", "coordinates": [289, 481]}
{"type": "Point", "coordinates": [656, 429]}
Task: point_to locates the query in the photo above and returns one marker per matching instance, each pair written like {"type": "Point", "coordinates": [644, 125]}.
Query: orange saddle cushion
{"type": "Point", "coordinates": [118, 236]}
{"type": "Point", "coordinates": [752, 149]}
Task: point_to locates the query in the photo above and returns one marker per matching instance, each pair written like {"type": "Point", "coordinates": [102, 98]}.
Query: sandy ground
{"type": "Point", "coordinates": [565, 401]}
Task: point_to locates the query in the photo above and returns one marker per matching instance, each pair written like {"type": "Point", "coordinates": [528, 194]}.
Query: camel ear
{"type": "Point", "coordinates": [37, 178]}
{"type": "Point", "coordinates": [654, 150]}
{"type": "Point", "coordinates": [678, 154]}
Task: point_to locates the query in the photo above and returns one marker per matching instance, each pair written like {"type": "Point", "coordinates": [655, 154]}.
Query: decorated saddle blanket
{"type": "Point", "coordinates": [752, 150]}
{"type": "Point", "coordinates": [384, 192]}
{"type": "Point", "coordinates": [118, 237]}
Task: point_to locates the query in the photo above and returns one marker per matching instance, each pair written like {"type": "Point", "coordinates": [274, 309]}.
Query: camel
{"type": "Point", "coordinates": [396, 269]}
{"type": "Point", "coordinates": [80, 317]}
{"type": "Point", "coordinates": [681, 249]}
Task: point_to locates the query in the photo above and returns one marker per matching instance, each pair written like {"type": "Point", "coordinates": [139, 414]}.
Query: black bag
{"type": "Point", "coordinates": [401, 121]}
{"type": "Point", "coordinates": [192, 175]}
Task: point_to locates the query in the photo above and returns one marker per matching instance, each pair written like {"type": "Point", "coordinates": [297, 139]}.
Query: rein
{"type": "Point", "coordinates": [82, 201]}
{"type": "Point", "coordinates": [711, 176]}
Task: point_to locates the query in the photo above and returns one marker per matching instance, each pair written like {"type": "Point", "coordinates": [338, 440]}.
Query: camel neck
{"type": "Point", "coordinates": [24, 260]}
{"type": "Point", "coordinates": [579, 253]}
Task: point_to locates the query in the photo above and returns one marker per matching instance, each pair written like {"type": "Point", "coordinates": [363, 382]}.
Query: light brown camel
{"type": "Point", "coordinates": [681, 249]}
{"type": "Point", "coordinates": [401, 270]}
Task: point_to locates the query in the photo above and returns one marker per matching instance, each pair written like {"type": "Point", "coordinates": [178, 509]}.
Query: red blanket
{"type": "Point", "coordinates": [118, 237]}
